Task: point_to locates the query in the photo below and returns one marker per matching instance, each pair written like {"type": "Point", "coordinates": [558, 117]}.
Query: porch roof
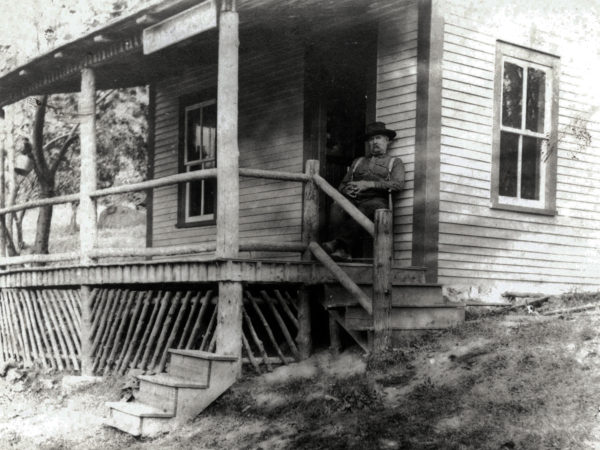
{"type": "Point", "coordinates": [115, 50]}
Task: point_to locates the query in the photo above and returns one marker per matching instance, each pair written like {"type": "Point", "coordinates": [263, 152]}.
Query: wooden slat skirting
{"type": "Point", "coordinates": [133, 327]}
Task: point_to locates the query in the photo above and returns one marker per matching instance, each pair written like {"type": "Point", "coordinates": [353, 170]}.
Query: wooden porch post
{"type": "Point", "coordinates": [2, 191]}
{"type": "Point", "coordinates": [382, 280]}
{"type": "Point", "coordinates": [310, 233]}
{"type": "Point", "coordinates": [87, 205]}
{"type": "Point", "coordinates": [229, 318]}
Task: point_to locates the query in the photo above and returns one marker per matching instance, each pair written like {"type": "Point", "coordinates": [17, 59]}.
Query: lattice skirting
{"type": "Point", "coordinates": [134, 328]}
{"type": "Point", "coordinates": [41, 325]}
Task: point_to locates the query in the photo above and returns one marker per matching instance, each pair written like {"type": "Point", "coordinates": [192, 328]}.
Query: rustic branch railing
{"type": "Point", "coordinates": [245, 245]}
{"type": "Point", "coordinates": [346, 204]}
{"type": "Point", "coordinates": [41, 202]}
{"type": "Point", "coordinates": [34, 259]}
{"type": "Point", "coordinates": [158, 182]}
{"type": "Point", "coordinates": [342, 277]}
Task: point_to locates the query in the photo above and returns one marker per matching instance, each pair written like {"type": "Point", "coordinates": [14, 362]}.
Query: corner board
{"type": "Point", "coordinates": [195, 271]}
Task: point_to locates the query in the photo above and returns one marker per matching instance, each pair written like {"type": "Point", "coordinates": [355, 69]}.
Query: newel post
{"type": "Point", "coordinates": [382, 279]}
{"type": "Point", "coordinates": [87, 205]}
{"type": "Point", "coordinates": [229, 316]}
{"type": "Point", "coordinates": [310, 233]}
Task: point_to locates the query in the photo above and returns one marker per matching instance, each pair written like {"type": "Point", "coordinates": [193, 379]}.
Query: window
{"type": "Point", "coordinates": [198, 144]}
{"type": "Point", "coordinates": [525, 127]}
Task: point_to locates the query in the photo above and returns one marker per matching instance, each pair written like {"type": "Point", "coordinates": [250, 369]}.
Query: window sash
{"type": "Point", "coordinates": [199, 163]}
{"type": "Point", "coordinates": [522, 132]}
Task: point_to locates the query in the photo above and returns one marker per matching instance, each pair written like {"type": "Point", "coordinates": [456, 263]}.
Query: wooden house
{"type": "Point", "coordinates": [256, 111]}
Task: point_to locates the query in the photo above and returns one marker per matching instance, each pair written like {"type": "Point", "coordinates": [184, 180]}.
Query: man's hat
{"type": "Point", "coordinates": [379, 128]}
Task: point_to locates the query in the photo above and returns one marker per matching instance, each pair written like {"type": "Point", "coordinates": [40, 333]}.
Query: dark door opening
{"type": "Point", "coordinates": [340, 94]}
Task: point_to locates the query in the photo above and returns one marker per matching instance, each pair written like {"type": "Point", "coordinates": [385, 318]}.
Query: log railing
{"type": "Point", "coordinates": [381, 230]}
{"type": "Point", "coordinates": [245, 245]}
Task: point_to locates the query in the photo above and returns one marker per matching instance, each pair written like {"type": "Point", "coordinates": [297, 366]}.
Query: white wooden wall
{"type": "Point", "coordinates": [505, 249]}
{"type": "Point", "coordinates": [397, 107]}
{"type": "Point", "coordinates": [270, 137]}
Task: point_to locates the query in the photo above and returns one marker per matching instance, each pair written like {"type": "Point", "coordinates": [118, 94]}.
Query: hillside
{"type": "Point", "coordinates": [516, 381]}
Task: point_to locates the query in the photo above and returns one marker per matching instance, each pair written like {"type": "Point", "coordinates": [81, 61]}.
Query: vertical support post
{"type": "Point", "coordinates": [12, 185]}
{"type": "Point", "coordinates": [87, 205]}
{"type": "Point", "coordinates": [2, 189]}
{"type": "Point", "coordinates": [228, 176]}
{"type": "Point", "coordinates": [87, 129]}
{"type": "Point", "coordinates": [87, 362]}
{"type": "Point", "coordinates": [382, 280]}
{"type": "Point", "coordinates": [229, 315]}
{"type": "Point", "coordinates": [310, 233]}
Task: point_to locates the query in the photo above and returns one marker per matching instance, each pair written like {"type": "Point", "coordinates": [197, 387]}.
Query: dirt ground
{"type": "Point", "coordinates": [500, 381]}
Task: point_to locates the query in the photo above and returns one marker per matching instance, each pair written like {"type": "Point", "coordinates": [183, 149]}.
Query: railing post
{"type": "Point", "coordinates": [229, 316]}
{"type": "Point", "coordinates": [87, 205]}
{"type": "Point", "coordinates": [87, 127]}
{"type": "Point", "coordinates": [310, 233]}
{"type": "Point", "coordinates": [382, 280]}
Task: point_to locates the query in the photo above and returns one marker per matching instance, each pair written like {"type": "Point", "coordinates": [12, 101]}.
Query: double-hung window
{"type": "Point", "coordinates": [525, 128]}
{"type": "Point", "coordinates": [198, 146]}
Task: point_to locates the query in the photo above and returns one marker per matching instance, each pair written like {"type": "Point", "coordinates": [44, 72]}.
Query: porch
{"type": "Point", "coordinates": [372, 289]}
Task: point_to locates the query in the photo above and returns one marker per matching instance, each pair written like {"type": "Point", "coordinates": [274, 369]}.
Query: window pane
{"type": "Point", "coordinates": [530, 168]}
{"type": "Point", "coordinates": [210, 194]}
{"type": "Point", "coordinates": [209, 131]}
{"type": "Point", "coordinates": [536, 100]}
{"type": "Point", "coordinates": [512, 95]}
{"type": "Point", "coordinates": [509, 153]}
{"type": "Point", "coordinates": [195, 196]}
{"type": "Point", "coordinates": [192, 137]}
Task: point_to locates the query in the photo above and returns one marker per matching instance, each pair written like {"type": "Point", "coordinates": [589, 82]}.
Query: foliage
{"type": "Point", "coordinates": [121, 121]}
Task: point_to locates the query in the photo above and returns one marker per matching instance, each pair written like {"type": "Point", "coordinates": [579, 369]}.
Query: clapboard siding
{"type": "Point", "coordinates": [270, 137]}
{"type": "Point", "coordinates": [479, 245]}
{"type": "Point", "coordinates": [397, 106]}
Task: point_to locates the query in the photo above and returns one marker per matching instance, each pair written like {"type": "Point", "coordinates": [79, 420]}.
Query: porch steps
{"type": "Point", "coordinates": [416, 305]}
{"type": "Point", "coordinates": [194, 379]}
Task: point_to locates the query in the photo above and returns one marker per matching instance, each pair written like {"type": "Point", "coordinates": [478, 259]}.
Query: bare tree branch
{"type": "Point", "coordinates": [63, 150]}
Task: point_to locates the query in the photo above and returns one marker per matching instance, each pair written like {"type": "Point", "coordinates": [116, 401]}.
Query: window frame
{"type": "Point", "coordinates": [187, 103]}
{"type": "Point", "coordinates": [550, 64]}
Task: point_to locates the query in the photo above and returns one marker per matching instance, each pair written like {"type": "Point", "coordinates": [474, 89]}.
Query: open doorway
{"type": "Point", "coordinates": [340, 100]}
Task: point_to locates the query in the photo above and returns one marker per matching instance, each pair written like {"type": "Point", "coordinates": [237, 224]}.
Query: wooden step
{"type": "Point", "coordinates": [160, 390]}
{"type": "Point", "coordinates": [408, 317]}
{"type": "Point", "coordinates": [195, 364]}
{"type": "Point", "coordinates": [138, 418]}
{"type": "Point", "coordinates": [403, 295]}
{"type": "Point", "coordinates": [362, 272]}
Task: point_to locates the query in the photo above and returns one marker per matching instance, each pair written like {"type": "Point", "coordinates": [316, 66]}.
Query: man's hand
{"type": "Point", "coordinates": [353, 188]}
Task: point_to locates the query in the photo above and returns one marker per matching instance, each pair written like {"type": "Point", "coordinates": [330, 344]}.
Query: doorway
{"type": "Point", "coordinates": [340, 100]}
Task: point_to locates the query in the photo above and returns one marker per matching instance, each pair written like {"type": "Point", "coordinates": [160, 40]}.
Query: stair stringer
{"type": "Point", "coordinates": [191, 402]}
{"type": "Point", "coordinates": [194, 385]}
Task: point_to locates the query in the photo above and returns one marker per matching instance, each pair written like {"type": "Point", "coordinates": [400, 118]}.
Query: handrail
{"type": "Point", "coordinates": [274, 175]}
{"type": "Point", "coordinates": [245, 245]}
{"type": "Point", "coordinates": [342, 277]}
{"type": "Point", "coordinates": [248, 245]}
{"type": "Point", "coordinates": [157, 182]}
{"type": "Point", "coordinates": [153, 251]}
{"type": "Point", "coordinates": [40, 202]}
{"type": "Point", "coordinates": [33, 259]}
{"type": "Point", "coordinates": [346, 204]}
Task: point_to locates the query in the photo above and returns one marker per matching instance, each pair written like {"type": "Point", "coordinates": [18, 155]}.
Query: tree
{"type": "Point", "coordinates": [42, 126]}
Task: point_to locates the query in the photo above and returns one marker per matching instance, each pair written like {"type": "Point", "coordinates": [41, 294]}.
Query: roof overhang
{"type": "Point", "coordinates": [115, 50]}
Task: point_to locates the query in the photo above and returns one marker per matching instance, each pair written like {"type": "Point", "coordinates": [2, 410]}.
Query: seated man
{"type": "Point", "coordinates": [367, 185]}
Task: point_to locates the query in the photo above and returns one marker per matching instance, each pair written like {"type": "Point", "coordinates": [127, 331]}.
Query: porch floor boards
{"type": "Point", "coordinates": [197, 271]}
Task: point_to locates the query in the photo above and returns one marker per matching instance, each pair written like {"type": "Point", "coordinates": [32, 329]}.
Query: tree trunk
{"type": "Point", "coordinates": [73, 227]}
{"type": "Point", "coordinates": [42, 231]}
{"type": "Point", "coordinates": [19, 228]}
